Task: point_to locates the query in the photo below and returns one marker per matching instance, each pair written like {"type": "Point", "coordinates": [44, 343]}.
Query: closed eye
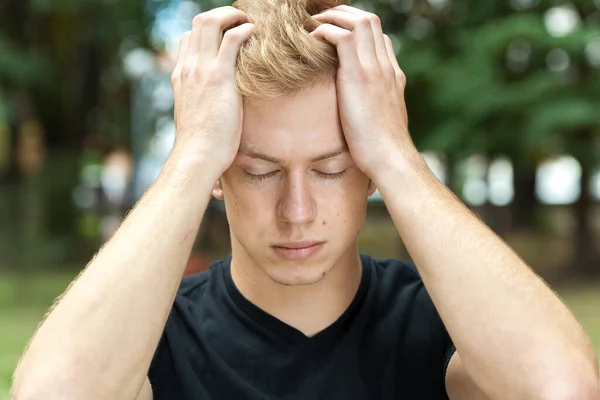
{"type": "Point", "coordinates": [260, 177]}
{"type": "Point", "coordinates": [336, 175]}
{"type": "Point", "coordinates": [324, 175]}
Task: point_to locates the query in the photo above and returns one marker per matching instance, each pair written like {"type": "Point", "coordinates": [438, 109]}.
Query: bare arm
{"type": "Point", "coordinates": [103, 332]}
{"type": "Point", "coordinates": [99, 339]}
{"type": "Point", "coordinates": [514, 336]}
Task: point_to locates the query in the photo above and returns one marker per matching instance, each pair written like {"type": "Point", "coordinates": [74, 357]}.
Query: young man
{"type": "Point", "coordinates": [296, 312]}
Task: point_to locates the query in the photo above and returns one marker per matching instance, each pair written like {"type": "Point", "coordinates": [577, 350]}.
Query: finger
{"type": "Point", "coordinates": [214, 23]}
{"type": "Point", "coordinates": [400, 79]}
{"type": "Point", "coordinates": [232, 42]}
{"type": "Point", "coordinates": [181, 56]}
{"type": "Point", "coordinates": [380, 48]}
{"type": "Point", "coordinates": [360, 26]}
{"type": "Point", "coordinates": [343, 40]}
{"type": "Point", "coordinates": [193, 49]}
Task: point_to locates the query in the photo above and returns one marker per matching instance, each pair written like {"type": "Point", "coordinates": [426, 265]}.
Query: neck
{"type": "Point", "coordinates": [310, 308]}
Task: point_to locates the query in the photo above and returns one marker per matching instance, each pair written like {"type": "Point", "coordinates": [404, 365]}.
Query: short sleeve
{"type": "Point", "coordinates": [161, 373]}
{"type": "Point", "coordinates": [430, 343]}
{"type": "Point", "coordinates": [441, 346]}
{"type": "Point", "coordinates": [447, 358]}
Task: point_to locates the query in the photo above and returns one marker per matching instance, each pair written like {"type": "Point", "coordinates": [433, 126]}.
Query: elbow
{"type": "Point", "coordinates": [23, 392]}
{"type": "Point", "coordinates": [579, 388]}
{"type": "Point", "coordinates": [41, 384]}
{"type": "Point", "coordinates": [590, 391]}
{"type": "Point", "coordinates": [65, 384]}
{"type": "Point", "coordinates": [572, 379]}
{"type": "Point", "coordinates": [578, 393]}
{"type": "Point", "coordinates": [27, 390]}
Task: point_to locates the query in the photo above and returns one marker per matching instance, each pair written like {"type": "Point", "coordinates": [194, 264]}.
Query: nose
{"type": "Point", "coordinates": [296, 205]}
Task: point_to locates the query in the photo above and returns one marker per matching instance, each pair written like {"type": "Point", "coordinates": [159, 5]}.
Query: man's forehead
{"type": "Point", "coordinates": [279, 154]}
{"type": "Point", "coordinates": [293, 136]}
{"type": "Point", "coordinates": [303, 126]}
{"type": "Point", "coordinates": [313, 108]}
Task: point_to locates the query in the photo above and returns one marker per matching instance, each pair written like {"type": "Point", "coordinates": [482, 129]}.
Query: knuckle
{"type": "Point", "coordinates": [364, 22]}
{"type": "Point", "coordinates": [401, 78]}
{"type": "Point", "coordinates": [186, 72]}
{"type": "Point", "coordinates": [374, 19]}
{"type": "Point", "coordinates": [231, 36]}
{"type": "Point", "coordinates": [175, 78]}
{"type": "Point", "coordinates": [197, 21]}
{"type": "Point", "coordinates": [209, 20]}
{"type": "Point", "coordinates": [346, 36]}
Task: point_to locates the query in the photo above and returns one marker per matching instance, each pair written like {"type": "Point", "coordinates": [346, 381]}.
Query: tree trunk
{"type": "Point", "coordinates": [89, 90]}
{"type": "Point", "coordinates": [524, 203]}
{"type": "Point", "coordinates": [15, 21]}
{"type": "Point", "coordinates": [585, 257]}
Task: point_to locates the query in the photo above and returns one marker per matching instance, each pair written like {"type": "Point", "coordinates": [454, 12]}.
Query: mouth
{"type": "Point", "coordinates": [296, 245]}
{"type": "Point", "coordinates": [297, 250]}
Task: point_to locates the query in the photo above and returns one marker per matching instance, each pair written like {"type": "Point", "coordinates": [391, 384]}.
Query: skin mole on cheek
{"type": "Point", "coordinates": [324, 222]}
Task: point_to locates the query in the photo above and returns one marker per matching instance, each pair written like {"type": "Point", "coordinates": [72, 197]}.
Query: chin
{"type": "Point", "coordinates": [298, 275]}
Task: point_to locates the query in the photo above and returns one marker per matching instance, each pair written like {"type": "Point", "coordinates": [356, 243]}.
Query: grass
{"type": "Point", "coordinates": [584, 301]}
{"type": "Point", "coordinates": [18, 324]}
{"type": "Point", "coordinates": [23, 302]}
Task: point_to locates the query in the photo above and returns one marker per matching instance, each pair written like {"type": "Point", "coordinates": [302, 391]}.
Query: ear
{"type": "Point", "coordinates": [371, 189]}
{"type": "Point", "coordinates": [217, 191]}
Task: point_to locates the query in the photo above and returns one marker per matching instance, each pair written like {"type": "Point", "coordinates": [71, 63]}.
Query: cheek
{"type": "Point", "coordinates": [250, 206]}
{"type": "Point", "coordinates": [346, 208]}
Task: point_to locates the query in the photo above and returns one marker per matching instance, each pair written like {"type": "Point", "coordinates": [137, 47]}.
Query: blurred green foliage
{"type": "Point", "coordinates": [479, 81]}
{"type": "Point", "coordinates": [484, 77]}
{"type": "Point", "coordinates": [492, 78]}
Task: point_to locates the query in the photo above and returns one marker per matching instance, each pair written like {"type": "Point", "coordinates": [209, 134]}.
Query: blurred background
{"type": "Point", "coordinates": [503, 98]}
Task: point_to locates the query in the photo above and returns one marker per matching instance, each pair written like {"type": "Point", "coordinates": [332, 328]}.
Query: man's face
{"type": "Point", "coordinates": [294, 184]}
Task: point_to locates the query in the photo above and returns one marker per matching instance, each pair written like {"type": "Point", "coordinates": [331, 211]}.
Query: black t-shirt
{"type": "Point", "coordinates": [389, 344]}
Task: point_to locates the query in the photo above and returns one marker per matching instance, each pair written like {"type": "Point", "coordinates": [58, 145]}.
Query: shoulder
{"type": "Point", "coordinates": [392, 267]}
{"type": "Point", "coordinates": [391, 276]}
{"type": "Point", "coordinates": [193, 287]}
{"type": "Point", "coordinates": [402, 298]}
{"type": "Point", "coordinates": [400, 290]}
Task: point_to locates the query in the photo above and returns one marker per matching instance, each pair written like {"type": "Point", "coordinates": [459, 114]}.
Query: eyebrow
{"type": "Point", "coordinates": [255, 154]}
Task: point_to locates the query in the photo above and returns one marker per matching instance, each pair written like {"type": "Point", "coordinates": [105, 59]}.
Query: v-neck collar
{"type": "Point", "coordinates": [288, 333]}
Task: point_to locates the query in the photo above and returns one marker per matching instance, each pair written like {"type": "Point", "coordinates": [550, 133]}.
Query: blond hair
{"type": "Point", "coordinates": [281, 57]}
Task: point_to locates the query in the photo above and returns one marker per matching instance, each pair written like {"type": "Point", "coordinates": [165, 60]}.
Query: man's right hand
{"type": "Point", "coordinates": [115, 312]}
{"type": "Point", "coordinates": [208, 106]}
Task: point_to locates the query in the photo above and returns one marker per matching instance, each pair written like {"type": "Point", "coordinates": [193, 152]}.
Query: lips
{"type": "Point", "coordinates": [296, 251]}
{"type": "Point", "coordinates": [296, 245]}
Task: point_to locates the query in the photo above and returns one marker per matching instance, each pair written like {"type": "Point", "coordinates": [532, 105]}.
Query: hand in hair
{"type": "Point", "coordinates": [370, 86]}
{"type": "Point", "coordinates": [208, 106]}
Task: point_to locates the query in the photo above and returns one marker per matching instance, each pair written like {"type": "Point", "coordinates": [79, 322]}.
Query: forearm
{"type": "Point", "coordinates": [99, 339]}
{"type": "Point", "coordinates": [514, 336]}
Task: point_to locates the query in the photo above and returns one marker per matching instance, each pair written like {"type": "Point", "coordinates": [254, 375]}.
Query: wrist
{"type": "Point", "coordinates": [187, 175]}
{"type": "Point", "coordinates": [193, 160]}
{"type": "Point", "coordinates": [406, 170]}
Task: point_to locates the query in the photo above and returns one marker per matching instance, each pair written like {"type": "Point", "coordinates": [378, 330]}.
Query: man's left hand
{"type": "Point", "coordinates": [370, 87]}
